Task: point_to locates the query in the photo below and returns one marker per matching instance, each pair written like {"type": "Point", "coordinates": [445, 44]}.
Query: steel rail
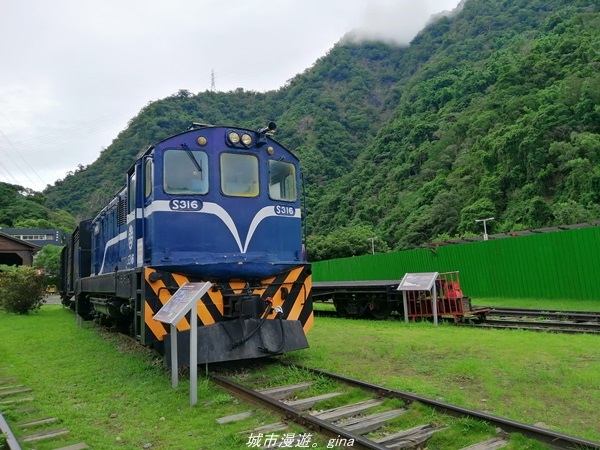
{"type": "Point", "coordinates": [552, 438]}
{"type": "Point", "coordinates": [548, 326]}
{"type": "Point", "coordinates": [557, 311]}
{"type": "Point", "coordinates": [573, 315]}
{"type": "Point", "coordinates": [11, 440]}
{"type": "Point", "coordinates": [568, 327]}
{"type": "Point", "coordinates": [290, 413]}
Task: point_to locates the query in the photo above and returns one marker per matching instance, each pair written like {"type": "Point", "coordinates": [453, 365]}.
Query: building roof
{"type": "Point", "coordinates": [31, 231]}
{"type": "Point", "coordinates": [20, 241]}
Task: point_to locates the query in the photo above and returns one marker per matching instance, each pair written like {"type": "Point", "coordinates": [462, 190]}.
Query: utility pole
{"type": "Point", "coordinates": [372, 244]}
{"type": "Point", "coordinates": [485, 221]}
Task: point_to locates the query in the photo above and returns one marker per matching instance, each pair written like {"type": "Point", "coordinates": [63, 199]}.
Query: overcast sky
{"type": "Point", "coordinates": [74, 72]}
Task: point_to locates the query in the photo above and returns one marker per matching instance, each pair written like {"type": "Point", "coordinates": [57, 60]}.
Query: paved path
{"type": "Point", "coordinates": [53, 299]}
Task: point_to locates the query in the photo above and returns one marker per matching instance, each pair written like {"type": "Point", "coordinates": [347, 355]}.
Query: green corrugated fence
{"type": "Point", "coordinates": [556, 265]}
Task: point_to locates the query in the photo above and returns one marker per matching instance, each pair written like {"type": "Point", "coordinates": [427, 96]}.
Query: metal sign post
{"type": "Point", "coordinates": [185, 299]}
{"type": "Point", "coordinates": [435, 305]}
{"type": "Point", "coordinates": [194, 353]}
{"type": "Point", "coordinates": [405, 302]}
{"type": "Point", "coordinates": [174, 362]}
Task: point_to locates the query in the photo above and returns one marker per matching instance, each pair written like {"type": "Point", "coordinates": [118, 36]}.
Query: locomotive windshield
{"type": "Point", "coordinates": [239, 175]}
{"type": "Point", "coordinates": [282, 181]}
{"type": "Point", "coordinates": [185, 172]}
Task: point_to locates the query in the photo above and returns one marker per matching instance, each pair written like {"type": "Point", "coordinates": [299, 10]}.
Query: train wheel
{"type": "Point", "coordinates": [380, 310]}
{"type": "Point", "coordinates": [340, 308]}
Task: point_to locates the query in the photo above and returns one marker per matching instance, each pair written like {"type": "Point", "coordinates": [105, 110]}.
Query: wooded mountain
{"type": "Point", "coordinates": [24, 208]}
{"type": "Point", "coordinates": [494, 112]}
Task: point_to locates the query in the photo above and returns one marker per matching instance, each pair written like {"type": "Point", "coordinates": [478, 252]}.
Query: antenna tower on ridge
{"type": "Point", "coordinates": [213, 87]}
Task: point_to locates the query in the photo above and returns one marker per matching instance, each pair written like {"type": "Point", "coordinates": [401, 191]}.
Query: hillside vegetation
{"type": "Point", "coordinates": [24, 208]}
{"type": "Point", "coordinates": [494, 112]}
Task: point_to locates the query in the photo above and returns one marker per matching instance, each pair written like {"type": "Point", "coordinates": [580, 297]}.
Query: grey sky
{"type": "Point", "coordinates": [74, 72]}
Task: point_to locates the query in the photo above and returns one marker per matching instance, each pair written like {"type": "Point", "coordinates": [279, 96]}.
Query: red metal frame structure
{"type": "Point", "coordinates": [450, 299]}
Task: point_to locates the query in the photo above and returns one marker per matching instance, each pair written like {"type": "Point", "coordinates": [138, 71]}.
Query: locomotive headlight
{"type": "Point", "coordinates": [246, 139]}
{"type": "Point", "coordinates": [233, 137]}
{"type": "Point", "coordinates": [270, 150]}
{"type": "Point", "coordinates": [201, 141]}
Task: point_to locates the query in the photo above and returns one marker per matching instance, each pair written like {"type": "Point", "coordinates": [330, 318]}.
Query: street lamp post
{"type": "Point", "coordinates": [372, 244]}
{"type": "Point", "coordinates": [485, 221]}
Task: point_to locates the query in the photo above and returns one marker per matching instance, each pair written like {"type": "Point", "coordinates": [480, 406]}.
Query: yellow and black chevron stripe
{"type": "Point", "coordinates": [295, 299]}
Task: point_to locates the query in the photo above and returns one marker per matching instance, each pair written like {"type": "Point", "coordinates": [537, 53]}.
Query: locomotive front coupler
{"type": "Point", "coordinates": [244, 306]}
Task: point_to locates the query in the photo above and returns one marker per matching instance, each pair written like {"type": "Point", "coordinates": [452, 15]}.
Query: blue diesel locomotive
{"type": "Point", "coordinates": [217, 204]}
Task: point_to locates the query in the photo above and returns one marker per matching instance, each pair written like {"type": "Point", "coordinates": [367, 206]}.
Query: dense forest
{"type": "Point", "coordinates": [491, 112]}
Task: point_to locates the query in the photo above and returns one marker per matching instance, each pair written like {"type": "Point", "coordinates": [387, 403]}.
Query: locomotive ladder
{"type": "Point", "coordinates": [138, 318]}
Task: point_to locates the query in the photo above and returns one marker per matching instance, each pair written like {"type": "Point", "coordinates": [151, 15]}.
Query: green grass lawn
{"type": "Point", "coordinates": [112, 394]}
{"type": "Point", "coordinates": [526, 376]}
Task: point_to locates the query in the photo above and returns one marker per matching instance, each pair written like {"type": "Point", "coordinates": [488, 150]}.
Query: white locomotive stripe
{"type": "Point", "coordinates": [112, 242]}
{"type": "Point", "coordinates": [207, 208]}
{"type": "Point", "coordinates": [124, 235]}
{"type": "Point", "coordinates": [217, 210]}
{"type": "Point", "coordinates": [267, 211]}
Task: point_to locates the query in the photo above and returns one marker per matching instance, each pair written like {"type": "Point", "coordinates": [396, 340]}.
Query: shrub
{"type": "Point", "coordinates": [21, 289]}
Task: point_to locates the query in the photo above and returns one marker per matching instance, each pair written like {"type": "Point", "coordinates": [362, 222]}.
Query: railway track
{"type": "Point", "coordinates": [552, 314]}
{"type": "Point", "coordinates": [354, 426]}
{"type": "Point", "coordinates": [16, 399]}
{"type": "Point", "coordinates": [547, 326]}
{"type": "Point", "coordinates": [570, 322]}
{"type": "Point", "coordinates": [541, 320]}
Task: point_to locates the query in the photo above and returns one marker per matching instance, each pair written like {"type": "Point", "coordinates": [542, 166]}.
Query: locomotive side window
{"type": "Point", "coordinates": [149, 169]}
{"type": "Point", "coordinates": [185, 172]}
{"type": "Point", "coordinates": [131, 194]}
{"type": "Point", "coordinates": [282, 181]}
{"type": "Point", "coordinates": [239, 175]}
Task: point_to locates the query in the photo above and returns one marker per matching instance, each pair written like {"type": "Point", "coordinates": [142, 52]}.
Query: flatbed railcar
{"type": "Point", "coordinates": [380, 299]}
{"type": "Point", "coordinates": [214, 203]}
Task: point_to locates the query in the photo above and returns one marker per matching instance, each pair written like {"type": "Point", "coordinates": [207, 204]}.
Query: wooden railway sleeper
{"type": "Point", "coordinates": [292, 414]}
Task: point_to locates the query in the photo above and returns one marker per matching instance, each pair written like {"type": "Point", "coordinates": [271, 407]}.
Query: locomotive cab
{"type": "Point", "coordinates": [218, 204]}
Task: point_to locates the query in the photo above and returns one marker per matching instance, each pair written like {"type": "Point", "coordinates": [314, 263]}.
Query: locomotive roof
{"type": "Point", "coordinates": [198, 126]}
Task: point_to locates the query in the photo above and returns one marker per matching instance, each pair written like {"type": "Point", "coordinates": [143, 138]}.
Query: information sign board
{"type": "Point", "coordinates": [181, 302]}
{"type": "Point", "coordinates": [418, 281]}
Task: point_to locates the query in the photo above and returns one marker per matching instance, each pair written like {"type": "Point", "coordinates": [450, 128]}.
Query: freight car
{"type": "Point", "coordinates": [380, 299]}
{"type": "Point", "coordinates": [213, 203]}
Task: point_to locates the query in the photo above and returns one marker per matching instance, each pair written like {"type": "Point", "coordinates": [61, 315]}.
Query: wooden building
{"type": "Point", "coordinates": [16, 252]}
